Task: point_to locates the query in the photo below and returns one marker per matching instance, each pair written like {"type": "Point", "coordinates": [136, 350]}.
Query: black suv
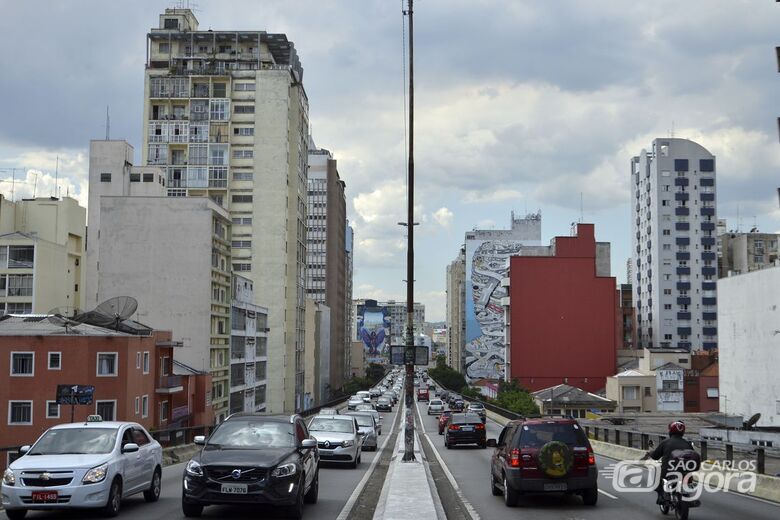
{"type": "Point", "coordinates": [543, 456]}
{"type": "Point", "coordinates": [254, 459]}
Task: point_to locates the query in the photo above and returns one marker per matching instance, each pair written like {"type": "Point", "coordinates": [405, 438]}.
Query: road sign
{"type": "Point", "coordinates": [401, 355]}
{"type": "Point", "coordinates": [75, 394]}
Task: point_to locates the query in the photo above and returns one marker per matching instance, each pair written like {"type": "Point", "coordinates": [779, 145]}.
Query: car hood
{"type": "Point", "coordinates": [334, 437]}
{"type": "Point", "coordinates": [56, 462]}
{"type": "Point", "coordinates": [264, 458]}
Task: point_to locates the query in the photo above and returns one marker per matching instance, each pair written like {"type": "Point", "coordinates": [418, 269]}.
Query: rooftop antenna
{"type": "Point", "coordinates": [108, 125]}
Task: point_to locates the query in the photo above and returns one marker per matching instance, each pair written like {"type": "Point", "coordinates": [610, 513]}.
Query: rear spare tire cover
{"type": "Point", "coordinates": [555, 459]}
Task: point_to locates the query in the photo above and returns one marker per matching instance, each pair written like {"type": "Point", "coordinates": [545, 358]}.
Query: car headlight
{"type": "Point", "coordinates": [285, 470]}
{"type": "Point", "coordinates": [97, 474]}
{"type": "Point", "coordinates": [194, 469]}
{"type": "Point", "coordinates": [9, 479]}
{"type": "Point", "coordinates": [347, 444]}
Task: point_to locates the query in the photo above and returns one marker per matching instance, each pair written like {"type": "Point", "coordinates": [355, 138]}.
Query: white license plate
{"type": "Point", "coordinates": [234, 489]}
{"type": "Point", "coordinates": [468, 428]}
{"type": "Point", "coordinates": [555, 487]}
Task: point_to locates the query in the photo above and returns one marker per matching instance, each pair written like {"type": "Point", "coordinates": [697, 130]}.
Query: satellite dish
{"type": "Point", "coordinates": [752, 421]}
{"type": "Point", "coordinates": [57, 317]}
{"type": "Point", "coordinates": [115, 310]}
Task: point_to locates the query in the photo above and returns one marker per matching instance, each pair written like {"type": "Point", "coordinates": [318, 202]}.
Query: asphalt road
{"type": "Point", "coordinates": [470, 467]}
{"type": "Point", "coordinates": [336, 485]}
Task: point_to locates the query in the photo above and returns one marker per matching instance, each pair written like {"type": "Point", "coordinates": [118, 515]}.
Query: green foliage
{"type": "Point", "coordinates": [374, 373]}
{"type": "Point", "coordinates": [441, 361]}
{"type": "Point", "coordinates": [472, 393]}
{"type": "Point", "coordinates": [514, 397]}
{"type": "Point", "coordinates": [446, 376]}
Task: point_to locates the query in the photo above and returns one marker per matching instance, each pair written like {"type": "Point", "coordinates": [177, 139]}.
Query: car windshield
{"type": "Point", "coordinates": [435, 402]}
{"type": "Point", "coordinates": [465, 418]}
{"type": "Point", "coordinates": [254, 434]}
{"type": "Point", "coordinates": [476, 406]}
{"type": "Point", "coordinates": [67, 441]}
{"type": "Point", "coordinates": [320, 424]}
{"type": "Point", "coordinates": [537, 435]}
{"type": "Point", "coordinates": [383, 400]}
{"type": "Point", "coordinates": [364, 420]}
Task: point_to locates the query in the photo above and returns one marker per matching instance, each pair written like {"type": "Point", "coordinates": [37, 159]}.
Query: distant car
{"type": "Point", "coordinates": [445, 396]}
{"type": "Point", "coordinates": [377, 417]}
{"type": "Point", "coordinates": [384, 404]}
{"type": "Point", "coordinates": [422, 394]}
{"type": "Point", "coordinates": [458, 405]}
{"type": "Point", "coordinates": [479, 409]}
{"type": "Point", "coordinates": [353, 402]}
{"type": "Point", "coordinates": [328, 411]}
{"type": "Point", "coordinates": [435, 407]}
{"type": "Point", "coordinates": [375, 392]}
{"type": "Point", "coordinates": [367, 427]}
{"type": "Point", "coordinates": [365, 407]}
{"type": "Point", "coordinates": [338, 438]}
{"type": "Point", "coordinates": [253, 458]}
{"type": "Point", "coordinates": [83, 465]}
{"type": "Point", "coordinates": [392, 396]}
{"type": "Point", "coordinates": [443, 418]}
{"type": "Point", "coordinates": [365, 395]}
{"type": "Point", "coordinates": [465, 428]}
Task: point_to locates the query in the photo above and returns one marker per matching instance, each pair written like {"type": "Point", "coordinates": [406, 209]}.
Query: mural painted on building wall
{"type": "Point", "coordinates": [486, 265]}
{"type": "Point", "coordinates": [373, 326]}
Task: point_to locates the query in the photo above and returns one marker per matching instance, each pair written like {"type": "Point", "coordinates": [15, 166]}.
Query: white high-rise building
{"type": "Point", "coordinates": [226, 117]}
{"type": "Point", "coordinates": [673, 222]}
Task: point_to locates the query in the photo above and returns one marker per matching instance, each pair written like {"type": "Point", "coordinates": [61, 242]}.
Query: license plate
{"type": "Point", "coordinates": [44, 496]}
{"type": "Point", "coordinates": [555, 487]}
{"type": "Point", "coordinates": [468, 428]}
{"type": "Point", "coordinates": [234, 489]}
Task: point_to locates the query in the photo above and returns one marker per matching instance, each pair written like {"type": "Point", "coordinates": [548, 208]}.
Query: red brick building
{"type": "Point", "coordinates": [701, 390]}
{"type": "Point", "coordinates": [132, 370]}
{"type": "Point", "coordinates": [562, 316]}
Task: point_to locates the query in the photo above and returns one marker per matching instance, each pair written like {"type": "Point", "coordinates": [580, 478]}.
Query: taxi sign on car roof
{"type": "Point", "coordinates": [94, 418]}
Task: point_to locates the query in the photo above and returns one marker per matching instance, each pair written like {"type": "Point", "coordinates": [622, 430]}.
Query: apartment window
{"type": "Point", "coordinates": [244, 109]}
{"type": "Point", "coordinates": [52, 410]}
{"type": "Point", "coordinates": [241, 244]}
{"type": "Point", "coordinates": [19, 308]}
{"type": "Point", "coordinates": [23, 364]}
{"type": "Point", "coordinates": [241, 198]}
{"type": "Point", "coordinates": [107, 364]}
{"type": "Point", "coordinates": [164, 46]}
{"type": "Point", "coordinates": [165, 365]}
{"type": "Point", "coordinates": [243, 176]}
{"type": "Point", "coordinates": [146, 362]}
{"type": "Point", "coordinates": [242, 267]}
{"type": "Point", "coordinates": [667, 291]}
{"type": "Point", "coordinates": [667, 232]}
{"type": "Point", "coordinates": [163, 411]}
{"type": "Point", "coordinates": [244, 130]}
{"type": "Point", "coordinates": [138, 360]}
{"type": "Point", "coordinates": [218, 155]}
{"type": "Point", "coordinates": [135, 177]}
{"type": "Point", "coordinates": [219, 109]}
{"type": "Point", "coordinates": [105, 177]}
{"type": "Point", "coordinates": [20, 412]}
{"type": "Point", "coordinates": [21, 257]}
{"type": "Point", "coordinates": [670, 385]}
{"type": "Point", "coordinates": [664, 203]}
{"type": "Point", "coordinates": [239, 87]}
{"type": "Point", "coordinates": [148, 177]}
{"type": "Point", "coordinates": [106, 410]}
{"type": "Point", "coordinates": [137, 405]}
{"type": "Point", "coordinates": [243, 154]}
{"type": "Point", "coordinates": [171, 23]}
{"type": "Point", "coordinates": [630, 393]}
{"type": "Point", "coordinates": [667, 306]}
{"type": "Point", "coordinates": [55, 360]}
{"type": "Point", "coordinates": [20, 285]}
{"type": "Point", "coordinates": [145, 406]}
{"type": "Point", "coordinates": [667, 247]}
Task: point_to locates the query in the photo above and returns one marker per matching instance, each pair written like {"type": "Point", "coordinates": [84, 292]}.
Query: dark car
{"type": "Point", "coordinates": [465, 428]}
{"type": "Point", "coordinates": [443, 418]}
{"type": "Point", "coordinates": [479, 409]}
{"type": "Point", "coordinates": [384, 404]}
{"type": "Point", "coordinates": [458, 405]}
{"type": "Point", "coordinates": [254, 459]}
{"type": "Point", "coordinates": [543, 456]}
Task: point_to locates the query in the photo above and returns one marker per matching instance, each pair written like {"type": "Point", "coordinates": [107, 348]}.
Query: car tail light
{"type": "Point", "coordinates": [514, 458]}
{"type": "Point", "coordinates": [480, 426]}
{"type": "Point", "coordinates": [454, 427]}
{"type": "Point", "coordinates": [591, 457]}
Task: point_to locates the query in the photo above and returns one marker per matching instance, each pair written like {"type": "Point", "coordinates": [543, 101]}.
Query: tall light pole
{"type": "Point", "coordinates": [409, 361]}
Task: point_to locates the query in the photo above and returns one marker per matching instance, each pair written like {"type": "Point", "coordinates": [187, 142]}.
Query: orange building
{"type": "Point", "coordinates": [132, 370]}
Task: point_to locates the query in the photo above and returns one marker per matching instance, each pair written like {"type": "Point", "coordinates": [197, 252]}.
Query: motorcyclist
{"type": "Point", "coordinates": [664, 452]}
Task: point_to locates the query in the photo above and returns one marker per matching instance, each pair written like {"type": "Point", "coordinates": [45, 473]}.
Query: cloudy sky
{"type": "Point", "coordinates": [521, 105]}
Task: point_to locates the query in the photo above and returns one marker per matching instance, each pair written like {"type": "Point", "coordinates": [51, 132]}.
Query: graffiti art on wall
{"type": "Point", "coordinates": [373, 326]}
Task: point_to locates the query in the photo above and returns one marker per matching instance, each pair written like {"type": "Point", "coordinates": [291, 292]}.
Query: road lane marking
{"type": "Point", "coordinates": [466, 504]}
{"type": "Point", "coordinates": [607, 494]}
{"type": "Point", "coordinates": [347, 509]}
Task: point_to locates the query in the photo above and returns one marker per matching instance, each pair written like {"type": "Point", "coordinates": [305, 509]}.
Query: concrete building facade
{"type": "Point", "coordinates": [226, 117]}
{"type": "Point", "coordinates": [746, 252]}
{"type": "Point", "coordinates": [248, 349]}
{"type": "Point", "coordinates": [674, 245]}
{"type": "Point", "coordinates": [318, 359]}
{"type": "Point", "coordinates": [326, 252]}
{"type": "Point", "coordinates": [748, 352]}
{"type": "Point", "coordinates": [42, 253]}
{"type": "Point", "coordinates": [456, 313]}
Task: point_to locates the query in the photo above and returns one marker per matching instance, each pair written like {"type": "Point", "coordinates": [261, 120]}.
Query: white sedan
{"type": "Point", "coordinates": [435, 407]}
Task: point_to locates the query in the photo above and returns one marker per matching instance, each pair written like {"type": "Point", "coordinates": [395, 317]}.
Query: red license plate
{"type": "Point", "coordinates": [44, 496]}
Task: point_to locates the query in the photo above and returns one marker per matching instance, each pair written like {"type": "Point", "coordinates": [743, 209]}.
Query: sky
{"type": "Point", "coordinates": [521, 105]}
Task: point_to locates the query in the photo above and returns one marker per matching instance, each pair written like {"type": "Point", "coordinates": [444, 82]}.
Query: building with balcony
{"type": "Point", "coordinates": [626, 318]}
{"type": "Point", "coordinates": [746, 252]}
{"type": "Point", "coordinates": [226, 118]}
{"type": "Point", "coordinates": [42, 252]}
{"type": "Point", "coordinates": [248, 349]}
{"type": "Point", "coordinates": [674, 242]}
{"type": "Point", "coordinates": [326, 254]}
{"type": "Point", "coordinates": [173, 255]}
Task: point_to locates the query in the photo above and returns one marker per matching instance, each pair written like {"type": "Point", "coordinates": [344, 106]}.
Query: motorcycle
{"type": "Point", "coordinates": [677, 500]}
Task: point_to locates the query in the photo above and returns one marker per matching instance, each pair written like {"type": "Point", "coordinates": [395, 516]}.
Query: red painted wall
{"type": "Point", "coordinates": [562, 317]}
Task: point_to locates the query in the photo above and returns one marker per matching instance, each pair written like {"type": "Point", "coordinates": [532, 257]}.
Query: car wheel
{"type": "Point", "coordinates": [483, 445]}
{"type": "Point", "coordinates": [314, 490]}
{"type": "Point", "coordinates": [191, 510]}
{"type": "Point", "coordinates": [590, 496]}
{"type": "Point", "coordinates": [354, 463]}
{"type": "Point", "coordinates": [510, 495]}
{"type": "Point", "coordinates": [15, 514]}
{"type": "Point", "coordinates": [114, 502]}
{"type": "Point", "coordinates": [681, 511]}
{"type": "Point", "coordinates": [494, 490]}
{"type": "Point", "coordinates": [153, 493]}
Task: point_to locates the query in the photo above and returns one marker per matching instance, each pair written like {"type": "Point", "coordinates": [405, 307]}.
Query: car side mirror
{"type": "Point", "coordinates": [492, 443]}
{"type": "Point", "coordinates": [200, 440]}
{"type": "Point", "coordinates": [361, 433]}
{"type": "Point", "coordinates": [24, 449]}
{"type": "Point", "coordinates": [130, 447]}
{"type": "Point", "coordinates": [308, 444]}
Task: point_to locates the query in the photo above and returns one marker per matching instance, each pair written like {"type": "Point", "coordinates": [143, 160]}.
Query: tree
{"type": "Point", "coordinates": [514, 397]}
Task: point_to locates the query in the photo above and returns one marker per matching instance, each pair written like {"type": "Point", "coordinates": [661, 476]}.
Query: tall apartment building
{"type": "Point", "coordinates": [326, 250]}
{"type": "Point", "coordinates": [746, 252]}
{"type": "Point", "coordinates": [396, 311]}
{"type": "Point", "coordinates": [348, 318]}
{"type": "Point", "coordinates": [456, 313]}
{"type": "Point", "coordinates": [248, 349]}
{"type": "Point", "coordinates": [674, 245]}
{"type": "Point", "coordinates": [226, 117]}
{"type": "Point", "coordinates": [42, 244]}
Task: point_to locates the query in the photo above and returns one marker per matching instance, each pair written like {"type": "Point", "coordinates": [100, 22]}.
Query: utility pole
{"type": "Point", "coordinates": [409, 390]}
